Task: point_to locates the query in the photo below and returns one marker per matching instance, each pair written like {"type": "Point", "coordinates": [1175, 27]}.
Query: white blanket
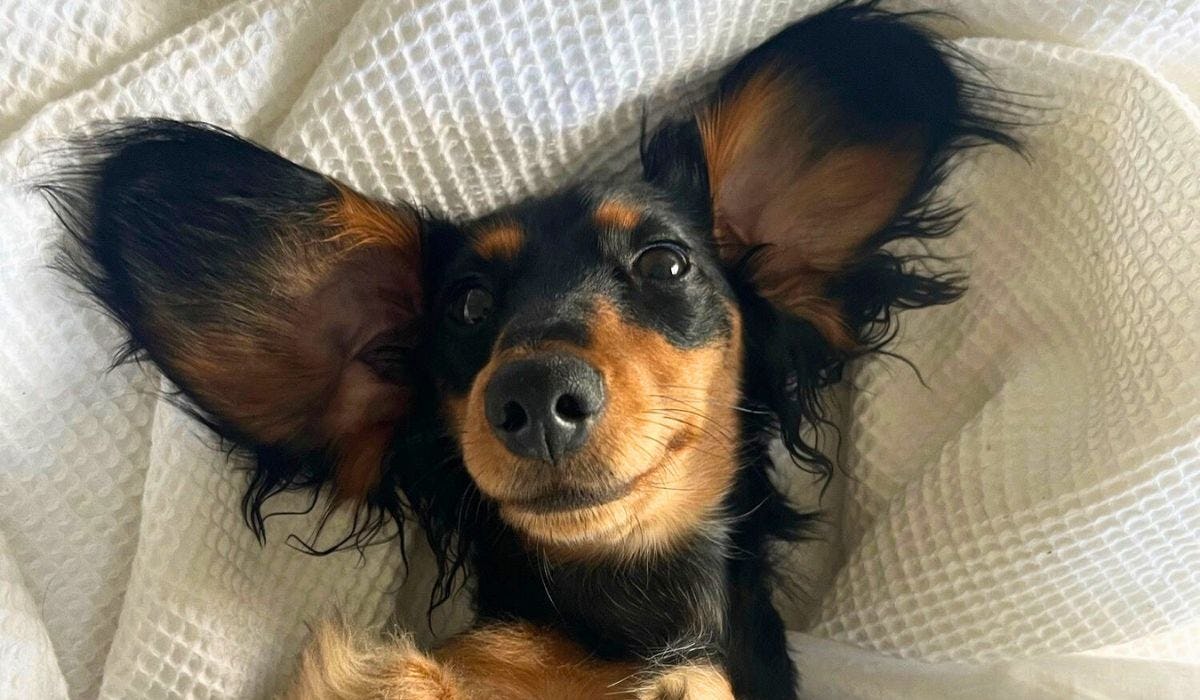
{"type": "Point", "coordinates": [1023, 527]}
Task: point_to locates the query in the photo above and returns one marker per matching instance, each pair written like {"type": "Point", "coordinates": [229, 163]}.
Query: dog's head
{"type": "Point", "coordinates": [590, 354]}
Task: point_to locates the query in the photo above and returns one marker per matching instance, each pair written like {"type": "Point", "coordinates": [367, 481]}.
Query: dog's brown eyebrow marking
{"type": "Point", "coordinates": [616, 214]}
{"type": "Point", "coordinates": [357, 220]}
{"type": "Point", "coordinates": [499, 242]}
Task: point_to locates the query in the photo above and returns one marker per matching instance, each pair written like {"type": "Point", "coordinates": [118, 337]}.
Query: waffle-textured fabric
{"type": "Point", "coordinates": [1023, 524]}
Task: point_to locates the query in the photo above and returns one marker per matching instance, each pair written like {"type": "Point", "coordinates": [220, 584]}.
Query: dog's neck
{"type": "Point", "coordinates": [673, 598]}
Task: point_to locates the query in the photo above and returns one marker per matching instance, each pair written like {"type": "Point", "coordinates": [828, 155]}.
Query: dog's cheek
{"type": "Point", "coordinates": [664, 400]}
{"type": "Point", "coordinates": [629, 437]}
{"type": "Point", "coordinates": [632, 433]}
{"type": "Point", "coordinates": [701, 388]}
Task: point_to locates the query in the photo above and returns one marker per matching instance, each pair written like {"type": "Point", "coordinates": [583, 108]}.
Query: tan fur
{"type": "Point", "coordinates": [615, 214]}
{"type": "Point", "coordinates": [517, 661]}
{"type": "Point", "coordinates": [730, 127]}
{"type": "Point", "coordinates": [357, 220]}
{"type": "Point", "coordinates": [667, 431]}
{"type": "Point", "coordinates": [691, 682]}
{"type": "Point", "coordinates": [341, 665]}
{"type": "Point", "coordinates": [500, 242]}
{"type": "Point", "coordinates": [488, 461]}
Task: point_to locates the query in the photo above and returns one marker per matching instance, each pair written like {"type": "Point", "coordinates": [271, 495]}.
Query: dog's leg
{"type": "Point", "coordinates": [501, 662]}
{"type": "Point", "coordinates": [523, 661]}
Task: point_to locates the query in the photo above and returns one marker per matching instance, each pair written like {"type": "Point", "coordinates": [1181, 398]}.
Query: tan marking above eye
{"type": "Point", "coordinates": [503, 242]}
{"type": "Point", "coordinates": [615, 214]}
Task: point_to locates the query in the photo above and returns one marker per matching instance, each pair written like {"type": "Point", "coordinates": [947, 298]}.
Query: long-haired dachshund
{"type": "Point", "coordinates": [573, 396]}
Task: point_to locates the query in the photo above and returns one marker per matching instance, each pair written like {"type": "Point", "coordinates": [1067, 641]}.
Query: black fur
{"type": "Point", "coordinates": [710, 598]}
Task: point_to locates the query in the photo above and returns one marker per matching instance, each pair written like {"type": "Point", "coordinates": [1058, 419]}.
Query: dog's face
{"type": "Point", "coordinates": [587, 352]}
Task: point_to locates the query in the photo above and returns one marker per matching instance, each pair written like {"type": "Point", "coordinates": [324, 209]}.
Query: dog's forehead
{"type": "Point", "coordinates": [532, 228]}
{"type": "Point", "coordinates": [566, 229]}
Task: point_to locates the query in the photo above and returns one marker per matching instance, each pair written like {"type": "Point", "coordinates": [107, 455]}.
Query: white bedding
{"type": "Point", "coordinates": [1026, 526]}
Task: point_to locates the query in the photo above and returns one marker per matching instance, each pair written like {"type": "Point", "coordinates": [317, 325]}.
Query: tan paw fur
{"type": "Point", "coordinates": [340, 665]}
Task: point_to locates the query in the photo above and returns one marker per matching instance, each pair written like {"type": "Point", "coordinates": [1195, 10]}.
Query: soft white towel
{"type": "Point", "coordinates": [1040, 498]}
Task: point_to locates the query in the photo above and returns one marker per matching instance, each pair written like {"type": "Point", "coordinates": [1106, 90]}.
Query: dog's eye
{"type": "Point", "coordinates": [472, 305]}
{"type": "Point", "coordinates": [662, 261]}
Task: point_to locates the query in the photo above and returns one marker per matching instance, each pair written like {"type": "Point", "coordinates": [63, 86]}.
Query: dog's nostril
{"type": "Point", "coordinates": [570, 408]}
{"type": "Point", "coordinates": [515, 417]}
{"type": "Point", "coordinates": [543, 407]}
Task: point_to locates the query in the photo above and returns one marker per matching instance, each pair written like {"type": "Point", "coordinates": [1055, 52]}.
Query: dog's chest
{"type": "Point", "coordinates": [677, 604]}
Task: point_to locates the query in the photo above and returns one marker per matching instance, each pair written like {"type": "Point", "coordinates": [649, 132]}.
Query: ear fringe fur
{"type": "Point", "coordinates": [886, 278]}
{"type": "Point", "coordinates": [72, 191]}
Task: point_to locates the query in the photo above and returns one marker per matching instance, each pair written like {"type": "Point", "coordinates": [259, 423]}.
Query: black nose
{"type": "Point", "coordinates": [543, 407]}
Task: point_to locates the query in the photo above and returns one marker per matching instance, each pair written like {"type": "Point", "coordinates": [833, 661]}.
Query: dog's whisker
{"type": "Point", "coordinates": [718, 434]}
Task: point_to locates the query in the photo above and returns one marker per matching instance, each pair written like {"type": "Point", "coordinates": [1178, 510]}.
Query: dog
{"type": "Point", "coordinates": [573, 396]}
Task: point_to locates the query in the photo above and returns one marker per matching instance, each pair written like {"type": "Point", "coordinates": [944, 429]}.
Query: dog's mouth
{"type": "Point", "coordinates": [601, 502]}
{"type": "Point", "coordinates": [580, 517]}
{"type": "Point", "coordinates": [566, 499]}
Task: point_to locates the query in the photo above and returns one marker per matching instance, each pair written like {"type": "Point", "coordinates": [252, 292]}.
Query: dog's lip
{"type": "Point", "coordinates": [568, 498]}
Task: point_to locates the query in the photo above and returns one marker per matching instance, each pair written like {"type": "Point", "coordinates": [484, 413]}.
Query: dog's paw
{"type": "Point", "coordinates": [339, 665]}
{"type": "Point", "coordinates": [693, 682]}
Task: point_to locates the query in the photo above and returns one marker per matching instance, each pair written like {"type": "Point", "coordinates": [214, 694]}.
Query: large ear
{"type": "Point", "coordinates": [282, 303]}
{"type": "Point", "coordinates": [816, 151]}
{"type": "Point", "coordinates": [813, 147]}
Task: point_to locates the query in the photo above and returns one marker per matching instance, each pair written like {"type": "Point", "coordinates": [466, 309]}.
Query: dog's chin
{"type": "Point", "coordinates": [566, 499]}
{"type": "Point", "coordinates": [578, 529]}
{"type": "Point", "coordinates": [571, 517]}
